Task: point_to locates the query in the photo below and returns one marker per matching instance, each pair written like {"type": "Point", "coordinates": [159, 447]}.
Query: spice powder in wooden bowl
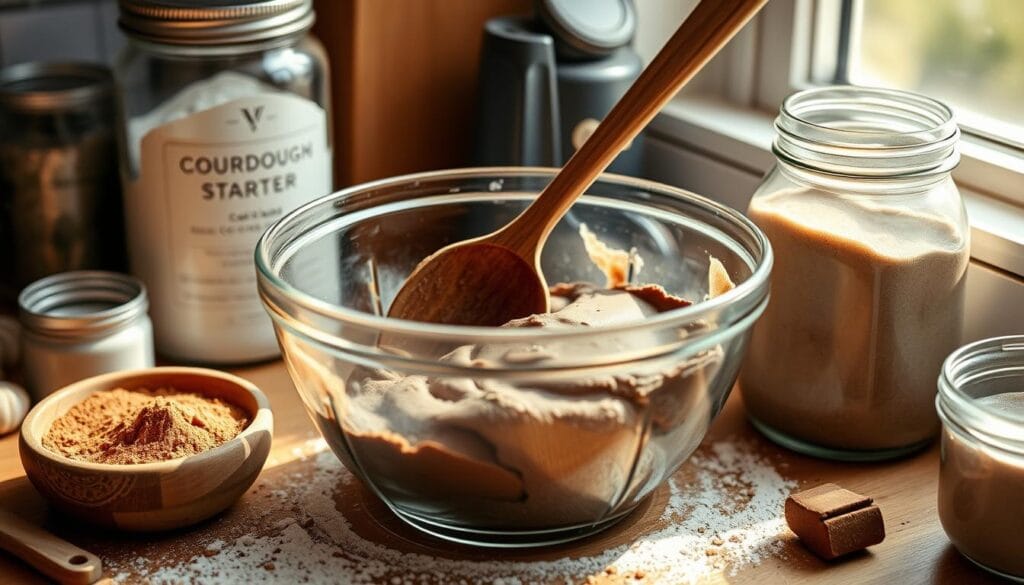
{"type": "Point", "coordinates": [127, 427]}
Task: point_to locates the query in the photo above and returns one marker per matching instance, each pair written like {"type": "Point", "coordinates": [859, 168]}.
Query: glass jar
{"type": "Point", "coordinates": [871, 248]}
{"type": "Point", "coordinates": [61, 204]}
{"type": "Point", "coordinates": [981, 471]}
{"type": "Point", "coordinates": [81, 324]}
{"type": "Point", "coordinates": [226, 127]}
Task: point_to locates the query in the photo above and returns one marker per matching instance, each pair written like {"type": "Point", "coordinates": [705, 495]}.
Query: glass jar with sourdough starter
{"type": "Point", "coordinates": [226, 127]}
{"type": "Point", "coordinates": [871, 245]}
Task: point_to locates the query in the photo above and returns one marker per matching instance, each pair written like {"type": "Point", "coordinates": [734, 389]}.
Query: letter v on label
{"type": "Point", "coordinates": [252, 116]}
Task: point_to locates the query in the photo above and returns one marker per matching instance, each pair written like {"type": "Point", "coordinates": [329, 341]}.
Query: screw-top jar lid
{"type": "Point", "coordinates": [81, 303]}
{"type": "Point", "coordinates": [589, 30]}
{"type": "Point", "coordinates": [215, 22]}
{"type": "Point", "coordinates": [48, 87]}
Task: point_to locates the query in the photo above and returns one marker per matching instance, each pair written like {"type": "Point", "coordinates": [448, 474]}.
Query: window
{"type": "Point", "coordinates": [969, 53]}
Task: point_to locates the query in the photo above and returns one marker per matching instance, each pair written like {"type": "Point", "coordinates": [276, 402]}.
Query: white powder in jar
{"type": "Point", "coordinates": [196, 97]}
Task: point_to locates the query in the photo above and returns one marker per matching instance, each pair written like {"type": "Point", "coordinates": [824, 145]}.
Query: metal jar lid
{"type": "Point", "coordinates": [50, 87]}
{"type": "Point", "coordinates": [81, 304]}
{"type": "Point", "coordinates": [589, 30]}
{"type": "Point", "coordinates": [215, 22]}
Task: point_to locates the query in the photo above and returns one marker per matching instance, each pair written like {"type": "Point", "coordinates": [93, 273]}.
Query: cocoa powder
{"type": "Point", "coordinates": [141, 426]}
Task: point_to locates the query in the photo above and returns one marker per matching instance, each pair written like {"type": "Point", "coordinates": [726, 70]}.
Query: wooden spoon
{"type": "Point", "coordinates": [58, 559]}
{"type": "Point", "coordinates": [495, 278]}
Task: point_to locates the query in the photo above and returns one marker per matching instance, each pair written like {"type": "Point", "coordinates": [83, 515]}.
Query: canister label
{"type": "Point", "coordinates": [209, 184]}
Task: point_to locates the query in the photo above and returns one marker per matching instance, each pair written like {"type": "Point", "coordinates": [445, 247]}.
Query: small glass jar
{"type": "Point", "coordinates": [871, 247]}
{"type": "Point", "coordinates": [226, 128]}
{"type": "Point", "coordinates": [981, 471]}
{"type": "Point", "coordinates": [80, 324]}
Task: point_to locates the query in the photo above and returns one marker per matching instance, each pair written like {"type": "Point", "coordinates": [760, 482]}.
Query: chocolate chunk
{"type": "Point", "coordinates": [832, 521]}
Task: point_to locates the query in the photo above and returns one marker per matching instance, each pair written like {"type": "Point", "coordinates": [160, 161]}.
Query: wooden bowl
{"type": "Point", "coordinates": [150, 496]}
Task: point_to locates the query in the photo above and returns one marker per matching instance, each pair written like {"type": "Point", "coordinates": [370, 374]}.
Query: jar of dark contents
{"type": "Point", "coordinates": [981, 470]}
{"type": "Point", "coordinates": [871, 249]}
{"type": "Point", "coordinates": [61, 206]}
{"type": "Point", "coordinates": [226, 129]}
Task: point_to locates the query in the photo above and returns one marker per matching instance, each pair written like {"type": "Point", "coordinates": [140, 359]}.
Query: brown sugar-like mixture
{"type": "Point", "coordinates": [141, 426]}
{"type": "Point", "coordinates": [865, 306]}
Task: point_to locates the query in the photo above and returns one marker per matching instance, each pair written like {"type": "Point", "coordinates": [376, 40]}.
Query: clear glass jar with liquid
{"type": "Point", "coordinates": [871, 247]}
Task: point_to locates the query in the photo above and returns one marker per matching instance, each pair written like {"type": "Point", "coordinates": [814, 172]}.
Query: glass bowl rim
{"type": "Point", "coordinates": [753, 289]}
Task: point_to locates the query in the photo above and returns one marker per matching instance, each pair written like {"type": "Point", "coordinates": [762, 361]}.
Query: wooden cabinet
{"type": "Point", "coordinates": [404, 81]}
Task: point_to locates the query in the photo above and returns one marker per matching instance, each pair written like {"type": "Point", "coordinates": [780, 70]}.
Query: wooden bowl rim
{"type": "Point", "coordinates": [262, 420]}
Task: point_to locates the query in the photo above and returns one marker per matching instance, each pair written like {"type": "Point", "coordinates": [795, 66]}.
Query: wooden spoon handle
{"type": "Point", "coordinates": [707, 29]}
{"type": "Point", "coordinates": [58, 559]}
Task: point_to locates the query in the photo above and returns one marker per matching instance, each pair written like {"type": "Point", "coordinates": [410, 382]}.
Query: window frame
{"type": "Point", "coordinates": [727, 116]}
{"type": "Point", "coordinates": [989, 163]}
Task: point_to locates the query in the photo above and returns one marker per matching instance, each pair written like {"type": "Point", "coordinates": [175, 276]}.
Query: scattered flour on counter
{"type": "Point", "coordinates": [214, 547]}
{"type": "Point", "coordinates": [728, 515]}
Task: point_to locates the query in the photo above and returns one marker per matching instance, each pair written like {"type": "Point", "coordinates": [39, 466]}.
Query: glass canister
{"type": "Point", "coordinates": [60, 199]}
{"type": "Point", "coordinates": [871, 244]}
{"type": "Point", "coordinates": [81, 324]}
{"type": "Point", "coordinates": [981, 471]}
{"type": "Point", "coordinates": [226, 127]}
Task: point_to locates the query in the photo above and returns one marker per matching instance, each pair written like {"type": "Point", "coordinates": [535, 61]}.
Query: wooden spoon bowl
{"type": "Point", "coordinates": [487, 269]}
{"type": "Point", "coordinates": [150, 496]}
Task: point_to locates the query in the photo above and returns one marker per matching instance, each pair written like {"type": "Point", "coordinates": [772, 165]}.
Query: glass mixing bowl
{"type": "Point", "coordinates": [549, 446]}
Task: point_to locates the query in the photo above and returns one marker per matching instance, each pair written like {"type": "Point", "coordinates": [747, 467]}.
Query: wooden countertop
{"type": "Point", "coordinates": [915, 550]}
